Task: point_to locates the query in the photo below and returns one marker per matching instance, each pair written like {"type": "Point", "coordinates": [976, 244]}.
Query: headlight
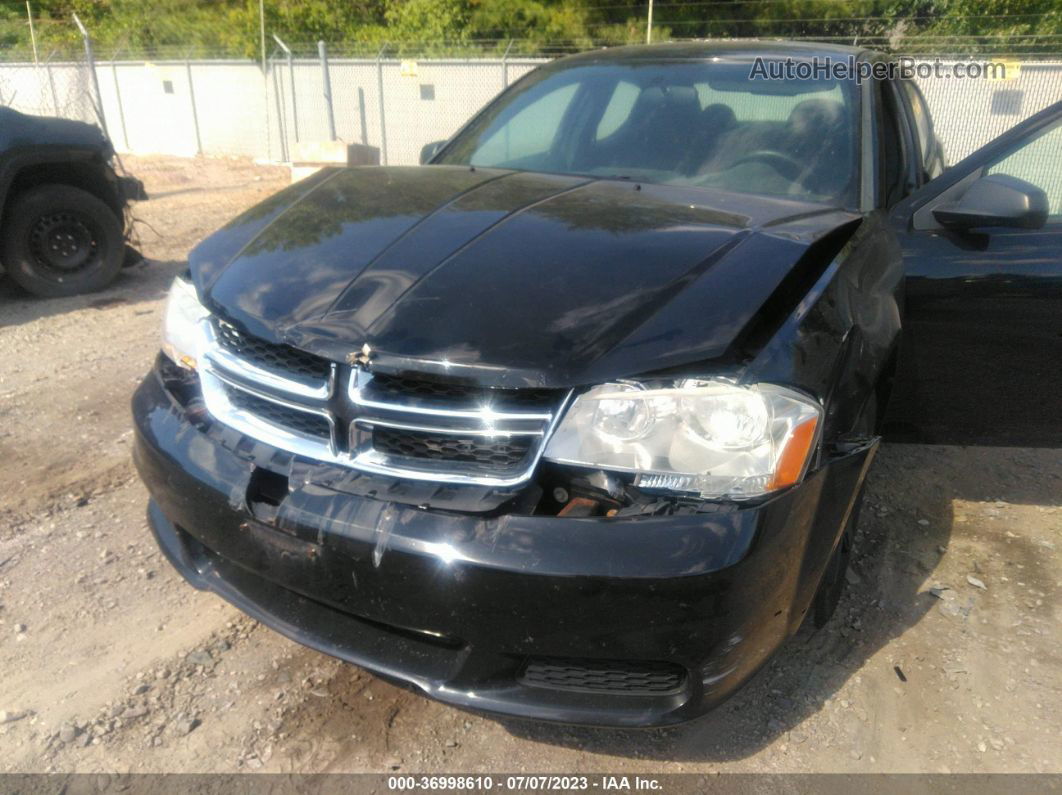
{"type": "Point", "coordinates": [180, 326]}
{"type": "Point", "coordinates": [710, 438]}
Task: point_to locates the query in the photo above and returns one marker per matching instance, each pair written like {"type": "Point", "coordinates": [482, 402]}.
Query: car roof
{"type": "Point", "coordinates": [725, 48]}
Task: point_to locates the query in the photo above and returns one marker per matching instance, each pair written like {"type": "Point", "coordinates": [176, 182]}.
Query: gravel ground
{"type": "Point", "coordinates": [944, 655]}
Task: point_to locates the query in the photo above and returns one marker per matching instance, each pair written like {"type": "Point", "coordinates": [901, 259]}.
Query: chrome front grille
{"type": "Point", "coordinates": [412, 390]}
{"type": "Point", "coordinates": [298, 421]}
{"type": "Point", "coordinates": [404, 426]}
{"type": "Point", "coordinates": [484, 452]}
{"type": "Point", "coordinates": [268, 355]}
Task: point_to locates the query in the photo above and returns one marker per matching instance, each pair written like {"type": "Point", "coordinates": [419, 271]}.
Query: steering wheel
{"type": "Point", "coordinates": [780, 162]}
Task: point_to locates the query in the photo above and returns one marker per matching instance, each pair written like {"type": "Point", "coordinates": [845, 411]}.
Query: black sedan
{"type": "Point", "coordinates": [572, 422]}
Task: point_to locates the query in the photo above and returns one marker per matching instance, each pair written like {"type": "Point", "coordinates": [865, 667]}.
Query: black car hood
{"type": "Point", "coordinates": [505, 278]}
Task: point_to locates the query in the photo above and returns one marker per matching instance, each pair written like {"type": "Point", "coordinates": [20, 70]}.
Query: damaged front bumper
{"type": "Point", "coordinates": [607, 621]}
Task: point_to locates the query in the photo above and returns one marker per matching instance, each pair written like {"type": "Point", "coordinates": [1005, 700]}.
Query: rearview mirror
{"type": "Point", "coordinates": [428, 151]}
{"type": "Point", "coordinates": [996, 200]}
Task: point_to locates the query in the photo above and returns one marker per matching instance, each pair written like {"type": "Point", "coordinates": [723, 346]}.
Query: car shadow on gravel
{"type": "Point", "coordinates": [146, 282]}
{"type": "Point", "coordinates": [903, 533]}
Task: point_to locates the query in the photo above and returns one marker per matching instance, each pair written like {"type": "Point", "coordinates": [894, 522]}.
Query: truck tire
{"type": "Point", "coordinates": [59, 240]}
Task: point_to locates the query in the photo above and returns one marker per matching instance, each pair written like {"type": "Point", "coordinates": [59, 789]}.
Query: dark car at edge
{"type": "Point", "coordinates": [63, 206]}
{"type": "Point", "coordinates": [572, 422]}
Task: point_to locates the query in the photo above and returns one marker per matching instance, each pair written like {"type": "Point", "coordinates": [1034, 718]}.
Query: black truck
{"type": "Point", "coordinates": [63, 223]}
{"type": "Point", "coordinates": [572, 422]}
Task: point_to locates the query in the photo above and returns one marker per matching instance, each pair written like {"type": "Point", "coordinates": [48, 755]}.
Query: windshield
{"type": "Point", "coordinates": [687, 123]}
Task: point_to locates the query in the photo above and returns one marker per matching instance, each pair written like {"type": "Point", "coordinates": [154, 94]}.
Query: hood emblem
{"type": "Point", "coordinates": [362, 357]}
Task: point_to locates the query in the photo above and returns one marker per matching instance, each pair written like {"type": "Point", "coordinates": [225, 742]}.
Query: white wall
{"type": "Point", "coordinates": [148, 106]}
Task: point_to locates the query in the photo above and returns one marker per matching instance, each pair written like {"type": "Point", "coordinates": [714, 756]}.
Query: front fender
{"type": "Point", "coordinates": [82, 166]}
{"type": "Point", "coordinates": [839, 341]}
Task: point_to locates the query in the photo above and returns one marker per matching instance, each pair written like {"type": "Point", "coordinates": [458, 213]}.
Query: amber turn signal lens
{"type": "Point", "coordinates": [795, 455]}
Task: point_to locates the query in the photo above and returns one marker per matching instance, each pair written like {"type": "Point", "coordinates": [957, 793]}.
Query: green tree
{"type": "Point", "coordinates": [157, 28]}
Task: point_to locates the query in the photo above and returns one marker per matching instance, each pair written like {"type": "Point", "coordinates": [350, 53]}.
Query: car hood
{"type": "Point", "coordinates": [505, 278]}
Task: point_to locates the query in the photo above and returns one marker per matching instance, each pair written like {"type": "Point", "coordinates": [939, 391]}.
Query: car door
{"type": "Point", "coordinates": [981, 353]}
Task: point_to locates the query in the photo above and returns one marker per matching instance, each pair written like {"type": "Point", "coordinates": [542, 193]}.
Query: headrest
{"type": "Point", "coordinates": [815, 116]}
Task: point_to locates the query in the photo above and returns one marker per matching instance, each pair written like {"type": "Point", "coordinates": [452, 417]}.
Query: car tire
{"type": "Point", "coordinates": [833, 579]}
{"type": "Point", "coordinates": [59, 240]}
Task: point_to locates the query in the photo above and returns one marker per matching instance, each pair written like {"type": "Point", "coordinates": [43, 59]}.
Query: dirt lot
{"type": "Point", "coordinates": [111, 663]}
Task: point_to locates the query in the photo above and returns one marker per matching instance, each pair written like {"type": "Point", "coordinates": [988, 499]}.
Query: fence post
{"type": "Point", "coordinates": [505, 64]}
{"type": "Point", "coordinates": [118, 96]}
{"type": "Point", "coordinates": [291, 83]}
{"type": "Point", "coordinates": [282, 120]}
{"type": "Point", "coordinates": [294, 106]}
{"type": "Point", "coordinates": [322, 53]}
{"type": "Point", "coordinates": [33, 34]}
{"type": "Point", "coordinates": [380, 93]}
{"type": "Point", "coordinates": [51, 82]}
{"type": "Point", "coordinates": [361, 116]}
{"type": "Point", "coordinates": [191, 100]}
{"type": "Point", "coordinates": [91, 58]}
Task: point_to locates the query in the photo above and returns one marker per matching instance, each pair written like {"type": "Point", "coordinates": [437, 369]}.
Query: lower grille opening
{"type": "Point", "coordinates": [490, 453]}
{"type": "Point", "coordinates": [627, 677]}
{"type": "Point", "coordinates": [291, 419]}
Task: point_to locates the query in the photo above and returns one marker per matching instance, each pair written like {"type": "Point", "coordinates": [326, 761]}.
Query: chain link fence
{"type": "Point", "coordinates": [53, 81]}
{"type": "Point", "coordinates": [394, 104]}
{"type": "Point", "coordinates": [396, 99]}
{"type": "Point", "coordinates": [969, 113]}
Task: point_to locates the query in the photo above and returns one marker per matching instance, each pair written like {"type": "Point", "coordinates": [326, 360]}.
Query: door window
{"type": "Point", "coordinates": [923, 128]}
{"type": "Point", "coordinates": [893, 164]}
{"type": "Point", "coordinates": [1039, 162]}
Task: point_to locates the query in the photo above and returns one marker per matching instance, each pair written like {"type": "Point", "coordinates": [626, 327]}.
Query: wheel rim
{"type": "Point", "coordinates": [64, 244]}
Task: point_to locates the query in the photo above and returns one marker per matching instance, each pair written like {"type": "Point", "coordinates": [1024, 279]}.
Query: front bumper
{"type": "Point", "coordinates": [457, 604]}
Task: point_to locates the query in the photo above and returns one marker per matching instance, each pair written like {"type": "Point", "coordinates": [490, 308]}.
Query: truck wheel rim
{"type": "Point", "coordinates": [63, 244]}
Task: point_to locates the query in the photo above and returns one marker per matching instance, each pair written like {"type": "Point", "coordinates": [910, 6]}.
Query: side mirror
{"type": "Point", "coordinates": [996, 200]}
{"type": "Point", "coordinates": [428, 151]}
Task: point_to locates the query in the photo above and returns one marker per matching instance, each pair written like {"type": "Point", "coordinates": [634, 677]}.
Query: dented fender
{"type": "Point", "coordinates": [839, 339]}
